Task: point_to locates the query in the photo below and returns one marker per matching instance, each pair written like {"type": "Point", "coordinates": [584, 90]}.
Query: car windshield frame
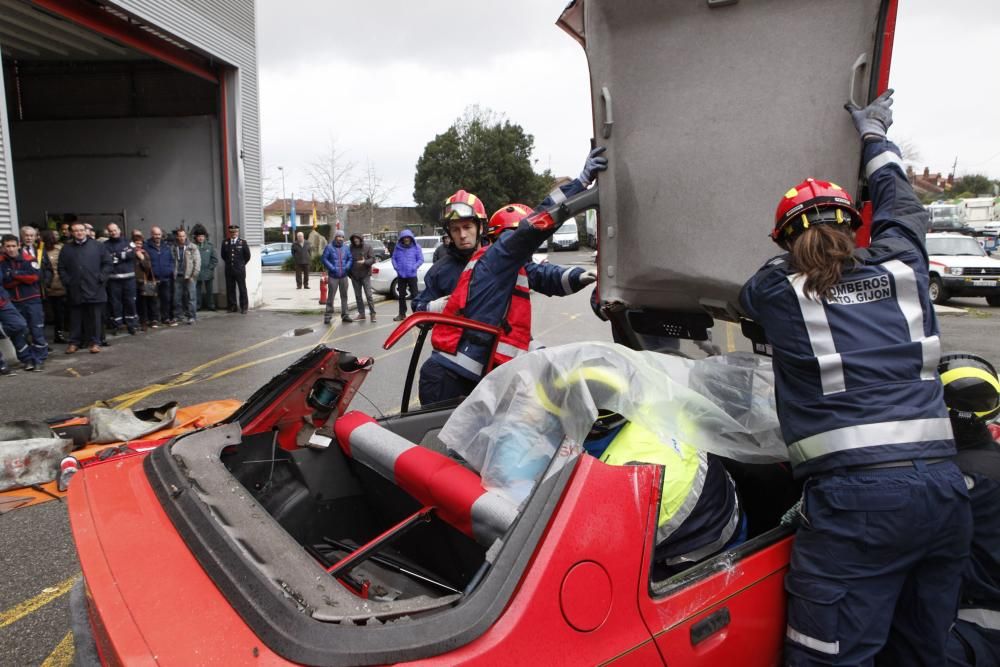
{"type": "Point", "coordinates": [955, 246]}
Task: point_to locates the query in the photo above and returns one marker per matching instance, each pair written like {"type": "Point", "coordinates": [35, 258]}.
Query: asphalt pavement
{"type": "Point", "coordinates": [229, 356]}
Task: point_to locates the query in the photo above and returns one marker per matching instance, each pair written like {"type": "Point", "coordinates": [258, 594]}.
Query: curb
{"type": "Point", "coordinates": [949, 310]}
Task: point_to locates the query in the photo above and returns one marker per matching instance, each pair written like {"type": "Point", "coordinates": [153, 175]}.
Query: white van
{"type": "Point", "coordinates": [566, 237]}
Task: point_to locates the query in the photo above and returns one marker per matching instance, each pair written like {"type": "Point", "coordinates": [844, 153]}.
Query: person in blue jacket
{"type": "Point", "coordinates": [407, 257]}
{"type": "Point", "coordinates": [972, 394]}
{"type": "Point", "coordinates": [338, 260]}
{"type": "Point", "coordinates": [161, 262]}
{"type": "Point", "coordinates": [493, 282]}
{"type": "Point", "coordinates": [877, 561]}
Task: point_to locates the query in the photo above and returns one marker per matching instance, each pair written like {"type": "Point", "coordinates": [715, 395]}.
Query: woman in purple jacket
{"type": "Point", "coordinates": [406, 259]}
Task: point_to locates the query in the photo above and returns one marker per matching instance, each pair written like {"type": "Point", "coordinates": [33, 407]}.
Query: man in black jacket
{"type": "Point", "coordinates": [84, 266]}
{"type": "Point", "coordinates": [235, 255]}
{"type": "Point", "coordinates": [301, 258]}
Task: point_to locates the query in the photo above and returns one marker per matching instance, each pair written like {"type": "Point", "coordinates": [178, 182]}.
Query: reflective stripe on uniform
{"type": "Point", "coordinates": [869, 435]}
{"type": "Point", "coordinates": [880, 160]}
{"type": "Point", "coordinates": [522, 281]}
{"type": "Point", "coordinates": [557, 196]}
{"type": "Point", "coordinates": [565, 282]}
{"type": "Point", "coordinates": [984, 618]}
{"type": "Point", "coordinates": [908, 298]}
{"type": "Point", "coordinates": [509, 350]}
{"type": "Point", "coordinates": [121, 276]}
{"type": "Point", "coordinates": [463, 361]}
{"type": "Point", "coordinates": [829, 648]}
{"type": "Point", "coordinates": [831, 367]}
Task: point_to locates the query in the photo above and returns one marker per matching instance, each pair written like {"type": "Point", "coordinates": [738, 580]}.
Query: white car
{"type": "Point", "coordinates": [960, 267]}
{"type": "Point", "coordinates": [384, 275]}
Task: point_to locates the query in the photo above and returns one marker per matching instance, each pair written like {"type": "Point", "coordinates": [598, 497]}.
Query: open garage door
{"type": "Point", "coordinates": [109, 120]}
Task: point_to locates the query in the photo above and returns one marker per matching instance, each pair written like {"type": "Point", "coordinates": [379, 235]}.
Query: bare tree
{"type": "Point", "coordinates": [373, 193]}
{"type": "Point", "coordinates": [270, 186]}
{"type": "Point", "coordinates": [332, 176]}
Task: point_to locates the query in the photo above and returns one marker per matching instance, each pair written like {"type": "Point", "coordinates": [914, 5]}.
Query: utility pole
{"type": "Point", "coordinates": [284, 204]}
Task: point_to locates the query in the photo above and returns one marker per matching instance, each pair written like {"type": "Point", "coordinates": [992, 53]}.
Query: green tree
{"type": "Point", "coordinates": [977, 184]}
{"type": "Point", "coordinates": [484, 154]}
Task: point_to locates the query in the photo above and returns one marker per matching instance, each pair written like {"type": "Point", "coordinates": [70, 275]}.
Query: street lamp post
{"type": "Point", "coordinates": [284, 204]}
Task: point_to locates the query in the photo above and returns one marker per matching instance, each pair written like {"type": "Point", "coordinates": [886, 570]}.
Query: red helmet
{"type": "Point", "coordinates": [506, 218]}
{"type": "Point", "coordinates": [812, 202]}
{"type": "Point", "coordinates": [463, 206]}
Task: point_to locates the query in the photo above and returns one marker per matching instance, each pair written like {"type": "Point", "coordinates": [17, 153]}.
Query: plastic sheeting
{"type": "Point", "coordinates": [29, 454]}
{"type": "Point", "coordinates": [123, 425]}
{"type": "Point", "coordinates": [532, 414]}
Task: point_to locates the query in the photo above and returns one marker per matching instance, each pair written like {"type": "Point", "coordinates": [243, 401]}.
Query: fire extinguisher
{"type": "Point", "coordinates": [322, 290]}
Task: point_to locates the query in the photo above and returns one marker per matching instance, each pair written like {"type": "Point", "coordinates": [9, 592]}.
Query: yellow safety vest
{"type": "Point", "coordinates": [684, 471]}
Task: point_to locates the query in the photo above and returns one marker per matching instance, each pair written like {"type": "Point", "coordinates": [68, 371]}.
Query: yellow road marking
{"type": "Point", "coordinates": [62, 655]}
{"type": "Point", "coordinates": [187, 378]}
{"type": "Point", "coordinates": [730, 337]}
{"type": "Point", "coordinates": [19, 611]}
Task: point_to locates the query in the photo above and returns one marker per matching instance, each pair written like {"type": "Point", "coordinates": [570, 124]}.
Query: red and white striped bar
{"type": "Point", "coordinates": [433, 479]}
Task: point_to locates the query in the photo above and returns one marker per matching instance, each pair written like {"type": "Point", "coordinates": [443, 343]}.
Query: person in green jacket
{"type": "Point", "coordinates": [204, 295]}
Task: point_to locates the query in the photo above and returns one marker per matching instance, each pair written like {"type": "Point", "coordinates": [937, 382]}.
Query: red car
{"type": "Point", "coordinates": [300, 531]}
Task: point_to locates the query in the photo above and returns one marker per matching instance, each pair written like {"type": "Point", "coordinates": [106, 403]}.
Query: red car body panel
{"type": "Point", "coordinates": [154, 602]}
{"type": "Point", "coordinates": [584, 598]}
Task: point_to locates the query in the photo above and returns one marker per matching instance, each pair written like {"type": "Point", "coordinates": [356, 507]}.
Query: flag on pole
{"type": "Point", "coordinates": [291, 216]}
{"type": "Point", "coordinates": [315, 217]}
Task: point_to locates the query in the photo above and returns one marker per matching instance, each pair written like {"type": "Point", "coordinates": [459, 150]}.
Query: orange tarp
{"type": "Point", "coordinates": [188, 419]}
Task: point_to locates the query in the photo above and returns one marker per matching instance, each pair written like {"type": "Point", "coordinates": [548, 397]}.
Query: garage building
{"type": "Point", "coordinates": [142, 112]}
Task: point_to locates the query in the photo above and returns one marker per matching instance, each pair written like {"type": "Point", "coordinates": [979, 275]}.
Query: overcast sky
{"type": "Point", "coordinates": [383, 77]}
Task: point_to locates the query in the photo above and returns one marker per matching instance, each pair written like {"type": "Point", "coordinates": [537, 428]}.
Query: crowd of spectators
{"type": "Point", "coordinates": [94, 286]}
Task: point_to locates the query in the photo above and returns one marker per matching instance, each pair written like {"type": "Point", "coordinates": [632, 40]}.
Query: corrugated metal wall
{"type": "Point", "coordinates": [8, 207]}
{"type": "Point", "coordinates": [226, 29]}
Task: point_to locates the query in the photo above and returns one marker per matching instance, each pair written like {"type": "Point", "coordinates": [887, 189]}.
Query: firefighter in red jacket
{"type": "Point", "coordinates": [494, 288]}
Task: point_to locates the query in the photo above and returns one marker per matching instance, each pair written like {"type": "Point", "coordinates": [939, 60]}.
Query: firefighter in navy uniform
{"type": "Point", "coordinates": [877, 562]}
{"type": "Point", "coordinates": [235, 256]}
{"type": "Point", "coordinates": [972, 394]}
{"type": "Point", "coordinates": [493, 287]}
{"type": "Point", "coordinates": [23, 276]}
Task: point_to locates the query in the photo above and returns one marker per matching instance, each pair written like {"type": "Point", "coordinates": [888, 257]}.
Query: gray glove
{"type": "Point", "coordinates": [587, 277]}
{"type": "Point", "coordinates": [793, 517]}
{"type": "Point", "coordinates": [874, 119]}
{"type": "Point", "coordinates": [595, 163]}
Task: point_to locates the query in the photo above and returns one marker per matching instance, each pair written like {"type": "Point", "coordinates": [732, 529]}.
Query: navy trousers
{"type": "Point", "coordinates": [15, 328]}
{"type": "Point", "coordinates": [121, 302]}
{"type": "Point", "coordinates": [34, 315]}
{"type": "Point", "coordinates": [876, 566]}
{"type": "Point", "coordinates": [438, 383]}
{"type": "Point", "coordinates": [971, 645]}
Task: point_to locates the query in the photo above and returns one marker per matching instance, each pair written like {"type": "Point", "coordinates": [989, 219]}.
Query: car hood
{"type": "Point", "coordinates": [965, 261]}
{"type": "Point", "coordinates": [710, 111]}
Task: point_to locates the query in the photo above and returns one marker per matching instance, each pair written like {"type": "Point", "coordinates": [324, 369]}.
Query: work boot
{"type": "Point", "coordinates": [71, 348]}
{"type": "Point", "coordinates": [361, 316]}
{"type": "Point", "coordinates": [373, 316]}
{"type": "Point", "coordinates": [399, 318]}
{"type": "Point", "coordinates": [59, 338]}
{"type": "Point", "coordinates": [29, 366]}
{"type": "Point", "coordinates": [5, 371]}
{"type": "Point", "coordinates": [346, 319]}
{"type": "Point", "coordinates": [95, 348]}
{"type": "Point", "coordinates": [39, 367]}
{"type": "Point", "coordinates": [131, 330]}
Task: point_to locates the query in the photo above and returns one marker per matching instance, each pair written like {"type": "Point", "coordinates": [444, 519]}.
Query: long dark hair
{"type": "Point", "coordinates": [820, 254]}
